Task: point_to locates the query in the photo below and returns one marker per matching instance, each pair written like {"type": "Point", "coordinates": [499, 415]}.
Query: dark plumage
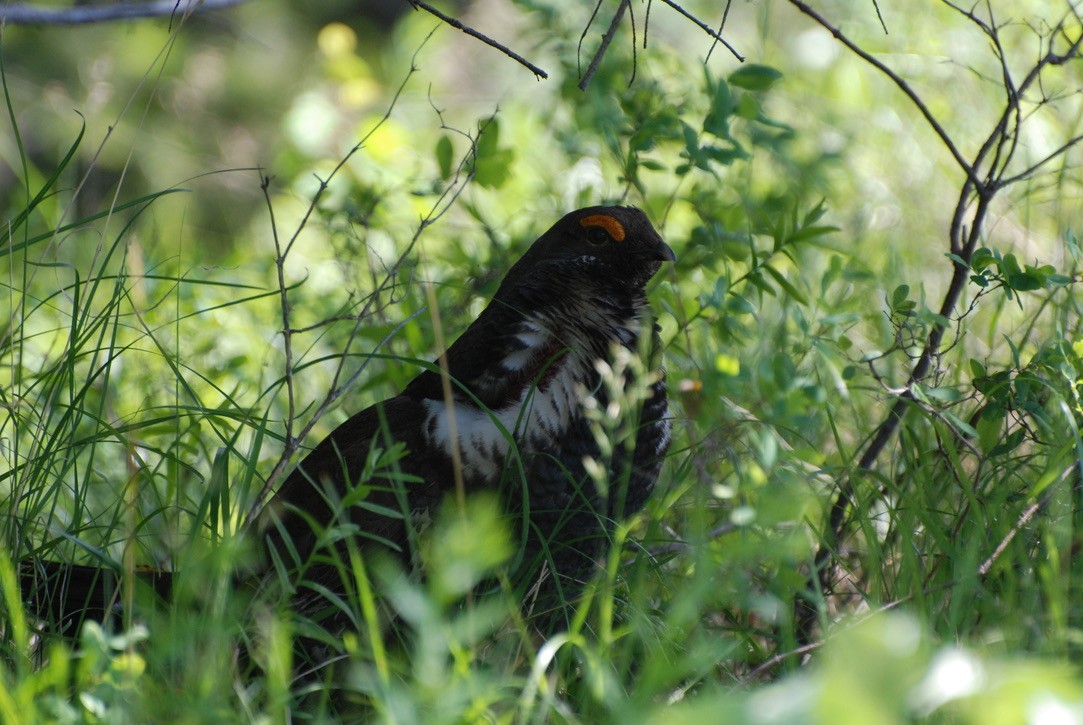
{"type": "Point", "coordinates": [526, 361]}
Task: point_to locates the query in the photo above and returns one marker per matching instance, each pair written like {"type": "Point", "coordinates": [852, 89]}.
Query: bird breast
{"type": "Point", "coordinates": [533, 420]}
{"type": "Point", "coordinates": [556, 371]}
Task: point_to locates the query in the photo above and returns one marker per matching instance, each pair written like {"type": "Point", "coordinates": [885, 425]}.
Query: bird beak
{"type": "Point", "coordinates": [664, 252]}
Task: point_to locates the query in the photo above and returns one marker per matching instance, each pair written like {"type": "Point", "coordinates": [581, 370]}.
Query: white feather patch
{"type": "Point", "coordinates": [540, 413]}
{"type": "Point", "coordinates": [533, 338]}
{"type": "Point", "coordinates": [482, 443]}
{"type": "Point", "coordinates": [535, 419]}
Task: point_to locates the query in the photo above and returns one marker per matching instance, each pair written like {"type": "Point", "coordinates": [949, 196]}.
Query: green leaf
{"type": "Point", "coordinates": [488, 138]}
{"type": "Point", "coordinates": [994, 385]}
{"type": "Point", "coordinates": [725, 156]}
{"type": "Point", "coordinates": [717, 121]}
{"type": "Point", "coordinates": [444, 156]}
{"type": "Point", "coordinates": [834, 269]}
{"type": "Point", "coordinates": [748, 107]}
{"type": "Point", "coordinates": [736, 249]}
{"type": "Point", "coordinates": [1015, 352]}
{"type": "Point", "coordinates": [811, 232]}
{"type": "Point", "coordinates": [935, 317]}
{"type": "Point", "coordinates": [656, 127]}
{"type": "Point", "coordinates": [738, 305]}
{"type": "Point", "coordinates": [1011, 442]}
{"type": "Point", "coordinates": [900, 294]}
{"type": "Point", "coordinates": [962, 425]}
{"type": "Point", "coordinates": [755, 77]}
{"type": "Point", "coordinates": [493, 163]}
{"type": "Point", "coordinates": [1072, 242]}
{"type": "Point", "coordinates": [1025, 282]}
{"type": "Point", "coordinates": [1009, 266]}
{"type": "Point", "coordinates": [691, 139]}
{"type": "Point", "coordinates": [981, 259]}
{"type": "Point", "coordinates": [786, 285]}
{"type": "Point", "coordinates": [755, 278]}
{"type": "Point", "coordinates": [467, 546]}
{"type": "Point", "coordinates": [815, 214]}
{"type": "Point", "coordinates": [945, 395]}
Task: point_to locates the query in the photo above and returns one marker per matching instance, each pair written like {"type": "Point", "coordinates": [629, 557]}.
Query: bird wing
{"type": "Point", "coordinates": [370, 473]}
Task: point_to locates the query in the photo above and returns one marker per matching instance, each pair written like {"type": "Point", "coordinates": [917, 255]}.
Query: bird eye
{"type": "Point", "coordinates": [597, 235]}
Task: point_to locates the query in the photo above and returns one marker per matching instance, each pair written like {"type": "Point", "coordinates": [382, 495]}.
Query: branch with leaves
{"type": "Point", "coordinates": [986, 175]}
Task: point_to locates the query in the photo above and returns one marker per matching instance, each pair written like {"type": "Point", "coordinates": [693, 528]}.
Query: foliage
{"type": "Point", "coordinates": [174, 334]}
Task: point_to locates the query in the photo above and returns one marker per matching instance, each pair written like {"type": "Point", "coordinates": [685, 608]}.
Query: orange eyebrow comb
{"type": "Point", "coordinates": [606, 222]}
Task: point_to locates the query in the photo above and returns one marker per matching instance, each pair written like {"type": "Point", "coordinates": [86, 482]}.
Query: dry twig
{"type": "Point", "coordinates": [606, 40]}
{"type": "Point", "coordinates": [421, 5]}
{"type": "Point", "coordinates": [25, 14]}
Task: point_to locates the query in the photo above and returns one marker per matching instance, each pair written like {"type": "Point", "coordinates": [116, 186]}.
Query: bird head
{"type": "Point", "coordinates": [600, 246]}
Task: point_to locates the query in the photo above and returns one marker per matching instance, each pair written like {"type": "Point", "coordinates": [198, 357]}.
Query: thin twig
{"type": "Point", "coordinates": [583, 36]}
{"type": "Point", "coordinates": [420, 4]}
{"type": "Point", "coordinates": [287, 327]}
{"type": "Point", "coordinates": [705, 28]}
{"type": "Point", "coordinates": [721, 27]}
{"type": "Point", "coordinates": [880, 16]}
{"type": "Point", "coordinates": [283, 251]}
{"type": "Point", "coordinates": [675, 547]}
{"type": "Point", "coordinates": [777, 659]}
{"type": "Point", "coordinates": [1029, 171]}
{"type": "Point", "coordinates": [606, 40]}
{"type": "Point", "coordinates": [945, 138]}
{"type": "Point", "coordinates": [23, 14]}
{"type": "Point", "coordinates": [647, 23]}
{"type": "Point", "coordinates": [1023, 520]}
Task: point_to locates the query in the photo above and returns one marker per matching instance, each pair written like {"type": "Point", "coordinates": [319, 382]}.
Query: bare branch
{"type": "Point", "coordinates": [705, 28]}
{"type": "Point", "coordinates": [857, 50]}
{"type": "Point", "coordinates": [721, 27]}
{"type": "Point", "coordinates": [1030, 170]}
{"type": "Point", "coordinates": [25, 14]}
{"type": "Point", "coordinates": [420, 4]}
{"type": "Point", "coordinates": [606, 40]}
{"type": "Point", "coordinates": [583, 36]}
{"type": "Point", "coordinates": [880, 16]}
{"type": "Point", "coordinates": [1024, 519]}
